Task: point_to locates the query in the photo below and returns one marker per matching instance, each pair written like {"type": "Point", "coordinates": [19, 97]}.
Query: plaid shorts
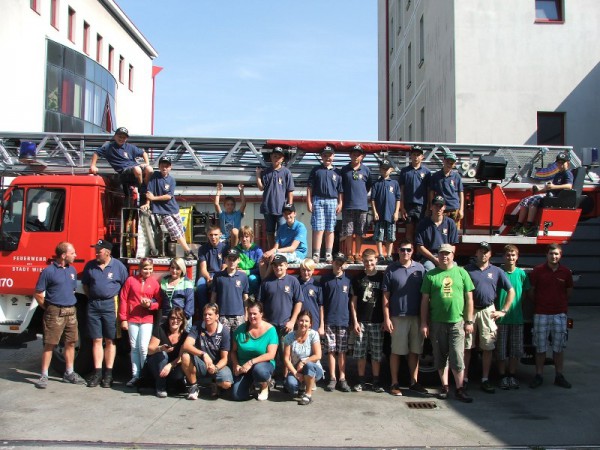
{"type": "Point", "coordinates": [370, 340]}
{"type": "Point", "coordinates": [324, 216]}
{"type": "Point", "coordinates": [354, 221]}
{"type": "Point", "coordinates": [173, 224]}
{"type": "Point", "coordinates": [533, 200]}
{"type": "Point", "coordinates": [384, 231]}
{"type": "Point", "coordinates": [554, 326]}
{"type": "Point", "coordinates": [509, 341]}
{"type": "Point", "coordinates": [337, 338]}
{"type": "Point", "coordinates": [232, 322]}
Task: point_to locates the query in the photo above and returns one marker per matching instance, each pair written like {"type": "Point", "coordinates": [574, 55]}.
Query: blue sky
{"type": "Point", "coordinates": [304, 69]}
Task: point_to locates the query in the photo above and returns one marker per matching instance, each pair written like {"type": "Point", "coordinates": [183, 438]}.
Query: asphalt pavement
{"type": "Point", "coordinates": [68, 416]}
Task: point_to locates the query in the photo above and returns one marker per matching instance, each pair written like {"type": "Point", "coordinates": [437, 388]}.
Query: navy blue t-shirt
{"type": "Point", "coordinates": [336, 299]}
{"type": "Point", "coordinates": [487, 284]}
{"type": "Point", "coordinates": [448, 187]}
{"type": "Point", "coordinates": [415, 182]}
{"type": "Point", "coordinates": [59, 283]}
{"type": "Point", "coordinates": [163, 186]}
{"type": "Point", "coordinates": [279, 295]}
{"type": "Point", "coordinates": [277, 184]}
{"type": "Point", "coordinates": [213, 344]}
{"type": "Point", "coordinates": [325, 182]}
{"type": "Point", "coordinates": [356, 185]}
{"type": "Point", "coordinates": [120, 158]}
{"type": "Point", "coordinates": [404, 286]}
{"type": "Point", "coordinates": [104, 284]}
{"type": "Point", "coordinates": [313, 300]}
{"type": "Point", "coordinates": [230, 290]}
{"type": "Point", "coordinates": [565, 177]}
{"type": "Point", "coordinates": [213, 256]}
{"type": "Point", "coordinates": [432, 237]}
{"type": "Point", "coordinates": [386, 193]}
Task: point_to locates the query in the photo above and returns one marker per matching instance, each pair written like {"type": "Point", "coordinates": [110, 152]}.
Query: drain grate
{"type": "Point", "coordinates": [421, 405]}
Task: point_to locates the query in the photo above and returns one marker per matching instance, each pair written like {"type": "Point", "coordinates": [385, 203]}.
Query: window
{"type": "Point", "coordinates": [121, 69]}
{"type": "Point", "coordinates": [99, 49]}
{"type": "Point", "coordinates": [35, 5]}
{"type": "Point", "coordinates": [549, 11]}
{"type": "Point", "coordinates": [71, 25]}
{"type": "Point", "coordinates": [421, 42]}
{"type": "Point", "coordinates": [409, 66]}
{"type": "Point", "coordinates": [54, 13]}
{"type": "Point", "coordinates": [399, 20]}
{"type": "Point", "coordinates": [551, 128]}
{"type": "Point", "coordinates": [410, 136]}
{"type": "Point", "coordinates": [391, 35]}
{"type": "Point", "coordinates": [45, 210]}
{"type": "Point", "coordinates": [423, 124]}
{"type": "Point", "coordinates": [130, 80]}
{"type": "Point", "coordinates": [407, 4]}
{"type": "Point", "coordinates": [86, 38]}
{"type": "Point", "coordinates": [392, 105]}
{"type": "Point", "coordinates": [400, 85]}
{"type": "Point", "coordinates": [12, 218]}
{"type": "Point", "coordinates": [111, 57]}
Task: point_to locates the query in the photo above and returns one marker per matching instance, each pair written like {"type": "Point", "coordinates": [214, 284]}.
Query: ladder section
{"type": "Point", "coordinates": [203, 161]}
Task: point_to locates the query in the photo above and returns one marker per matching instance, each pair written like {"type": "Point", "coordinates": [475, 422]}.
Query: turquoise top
{"type": "Point", "coordinates": [249, 347]}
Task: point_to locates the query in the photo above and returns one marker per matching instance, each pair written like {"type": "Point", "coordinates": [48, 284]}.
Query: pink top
{"type": "Point", "coordinates": [130, 307]}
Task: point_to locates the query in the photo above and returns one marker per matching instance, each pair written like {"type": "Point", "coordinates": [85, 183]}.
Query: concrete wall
{"type": "Point", "coordinates": [23, 34]}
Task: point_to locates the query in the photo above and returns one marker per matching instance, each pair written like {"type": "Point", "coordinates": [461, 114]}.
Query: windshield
{"type": "Point", "coordinates": [45, 210]}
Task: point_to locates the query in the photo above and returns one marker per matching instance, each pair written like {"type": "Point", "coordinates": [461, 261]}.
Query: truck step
{"type": "Point", "coordinates": [11, 322]}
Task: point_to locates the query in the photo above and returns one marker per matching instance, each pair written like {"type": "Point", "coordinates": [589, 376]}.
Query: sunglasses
{"type": "Point", "coordinates": [405, 250]}
{"type": "Point", "coordinates": [175, 319]}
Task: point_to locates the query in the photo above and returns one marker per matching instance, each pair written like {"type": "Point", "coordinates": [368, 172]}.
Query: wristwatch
{"type": "Point", "coordinates": [468, 322]}
{"type": "Point", "coordinates": [504, 311]}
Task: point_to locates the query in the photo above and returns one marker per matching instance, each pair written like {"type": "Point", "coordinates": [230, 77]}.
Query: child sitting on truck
{"type": "Point", "coordinates": [161, 196]}
{"type": "Point", "coordinates": [230, 219]}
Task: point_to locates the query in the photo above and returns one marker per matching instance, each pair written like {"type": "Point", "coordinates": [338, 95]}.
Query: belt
{"type": "Point", "coordinates": [482, 307]}
{"type": "Point", "coordinates": [112, 299]}
{"type": "Point", "coordinates": [60, 306]}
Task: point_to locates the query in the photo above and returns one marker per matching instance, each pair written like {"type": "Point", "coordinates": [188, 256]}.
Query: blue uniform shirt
{"type": "Point", "coordinates": [336, 299]}
{"type": "Point", "coordinates": [160, 185]}
{"type": "Point", "coordinates": [565, 177]}
{"type": "Point", "coordinates": [313, 300]}
{"type": "Point", "coordinates": [212, 344]}
{"type": "Point", "coordinates": [277, 184]}
{"type": "Point", "coordinates": [286, 235]}
{"type": "Point", "coordinates": [415, 182]}
{"type": "Point", "coordinates": [404, 287]}
{"type": "Point", "coordinates": [228, 222]}
{"type": "Point", "coordinates": [59, 283]}
{"type": "Point", "coordinates": [279, 295]}
{"type": "Point", "coordinates": [325, 182]}
{"type": "Point", "coordinates": [431, 236]}
{"type": "Point", "coordinates": [120, 158]}
{"type": "Point", "coordinates": [213, 256]}
{"type": "Point", "coordinates": [448, 187]}
{"type": "Point", "coordinates": [230, 290]}
{"type": "Point", "coordinates": [487, 283]}
{"type": "Point", "coordinates": [104, 284]}
{"type": "Point", "coordinates": [356, 185]}
{"type": "Point", "coordinates": [385, 194]}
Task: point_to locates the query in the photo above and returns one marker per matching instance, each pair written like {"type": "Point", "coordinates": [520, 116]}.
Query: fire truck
{"type": "Point", "coordinates": [52, 197]}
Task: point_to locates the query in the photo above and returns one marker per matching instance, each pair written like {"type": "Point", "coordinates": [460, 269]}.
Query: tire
{"type": "Point", "coordinates": [428, 374]}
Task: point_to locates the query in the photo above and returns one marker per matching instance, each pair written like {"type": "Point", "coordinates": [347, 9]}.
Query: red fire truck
{"type": "Point", "coordinates": [52, 198]}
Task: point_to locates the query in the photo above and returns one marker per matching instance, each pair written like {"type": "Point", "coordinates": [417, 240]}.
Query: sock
{"type": "Point", "coordinates": [68, 371]}
{"type": "Point", "coordinates": [361, 380]}
{"type": "Point", "coordinates": [518, 224]}
{"type": "Point", "coordinates": [98, 371]}
{"type": "Point", "coordinates": [329, 251]}
{"type": "Point", "coordinates": [483, 380]}
{"type": "Point", "coordinates": [465, 380]}
{"type": "Point", "coordinates": [45, 373]}
{"type": "Point", "coordinates": [529, 224]}
{"type": "Point", "coordinates": [375, 380]}
{"type": "Point", "coordinates": [108, 372]}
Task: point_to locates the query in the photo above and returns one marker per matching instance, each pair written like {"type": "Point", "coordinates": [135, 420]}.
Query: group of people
{"type": "Point", "coordinates": [248, 322]}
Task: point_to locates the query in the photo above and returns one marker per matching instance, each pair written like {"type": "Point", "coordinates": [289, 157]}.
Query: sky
{"type": "Point", "coordinates": [288, 69]}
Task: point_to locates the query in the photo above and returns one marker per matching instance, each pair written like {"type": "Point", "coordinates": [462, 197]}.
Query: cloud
{"type": "Point", "coordinates": [246, 73]}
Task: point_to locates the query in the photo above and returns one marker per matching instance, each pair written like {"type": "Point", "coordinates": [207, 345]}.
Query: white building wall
{"type": "Point", "coordinates": [23, 34]}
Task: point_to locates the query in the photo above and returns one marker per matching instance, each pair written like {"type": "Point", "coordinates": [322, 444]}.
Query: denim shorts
{"type": "Point", "coordinates": [102, 319]}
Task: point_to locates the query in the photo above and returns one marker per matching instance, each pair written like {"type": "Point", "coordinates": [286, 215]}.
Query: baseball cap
{"type": "Point", "coordinates": [289, 207]}
{"type": "Point", "coordinates": [122, 130]}
{"type": "Point", "coordinates": [485, 246]}
{"type": "Point", "coordinates": [278, 259]}
{"type": "Point", "coordinates": [328, 149]}
{"type": "Point", "coordinates": [102, 244]}
{"type": "Point", "coordinates": [358, 148]}
{"type": "Point", "coordinates": [438, 200]}
{"type": "Point", "coordinates": [278, 150]}
{"type": "Point", "coordinates": [165, 159]}
{"type": "Point", "coordinates": [416, 148]}
{"type": "Point", "coordinates": [385, 163]}
{"type": "Point", "coordinates": [446, 248]}
{"type": "Point", "coordinates": [450, 155]}
{"type": "Point", "coordinates": [562, 156]}
{"type": "Point", "coordinates": [232, 252]}
{"type": "Point", "coordinates": [339, 256]}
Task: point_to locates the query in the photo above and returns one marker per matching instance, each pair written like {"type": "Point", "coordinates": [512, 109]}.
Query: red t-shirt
{"type": "Point", "coordinates": [551, 288]}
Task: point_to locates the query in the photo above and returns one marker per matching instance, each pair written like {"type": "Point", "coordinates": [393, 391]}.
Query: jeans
{"type": "Point", "coordinates": [156, 363]}
{"type": "Point", "coordinates": [139, 338]}
{"type": "Point", "coordinates": [311, 369]}
{"type": "Point", "coordinates": [260, 373]}
{"type": "Point", "coordinates": [202, 294]}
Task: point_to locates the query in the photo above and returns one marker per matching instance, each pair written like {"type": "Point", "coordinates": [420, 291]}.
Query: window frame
{"type": "Point", "coordinates": [99, 48]}
{"type": "Point", "coordinates": [71, 24]}
{"type": "Point", "coordinates": [111, 58]}
{"type": "Point", "coordinates": [559, 10]}
{"type": "Point", "coordinates": [130, 77]}
{"type": "Point", "coordinates": [121, 69]}
{"type": "Point", "coordinates": [421, 42]}
{"type": "Point", "coordinates": [409, 65]}
{"type": "Point", "coordinates": [86, 38]}
{"type": "Point", "coordinates": [54, 15]}
{"type": "Point", "coordinates": [35, 5]}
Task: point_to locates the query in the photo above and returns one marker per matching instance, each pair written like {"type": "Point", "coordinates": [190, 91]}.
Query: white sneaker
{"type": "Point", "coordinates": [132, 382]}
{"type": "Point", "coordinates": [263, 394]}
{"type": "Point", "coordinates": [193, 392]}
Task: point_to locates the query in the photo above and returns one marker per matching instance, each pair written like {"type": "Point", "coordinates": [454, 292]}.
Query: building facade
{"type": "Point", "coordinates": [74, 66]}
{"type": "Point", "coordinates": [511, 72]}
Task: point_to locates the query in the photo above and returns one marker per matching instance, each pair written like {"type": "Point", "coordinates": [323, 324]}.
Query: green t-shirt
{"type": "Point", "coordinates": [446, 290]}
{"type": "Point", "coordinates": [520, 282]}
{"type": "Point", "coordinates": [249, 347]}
